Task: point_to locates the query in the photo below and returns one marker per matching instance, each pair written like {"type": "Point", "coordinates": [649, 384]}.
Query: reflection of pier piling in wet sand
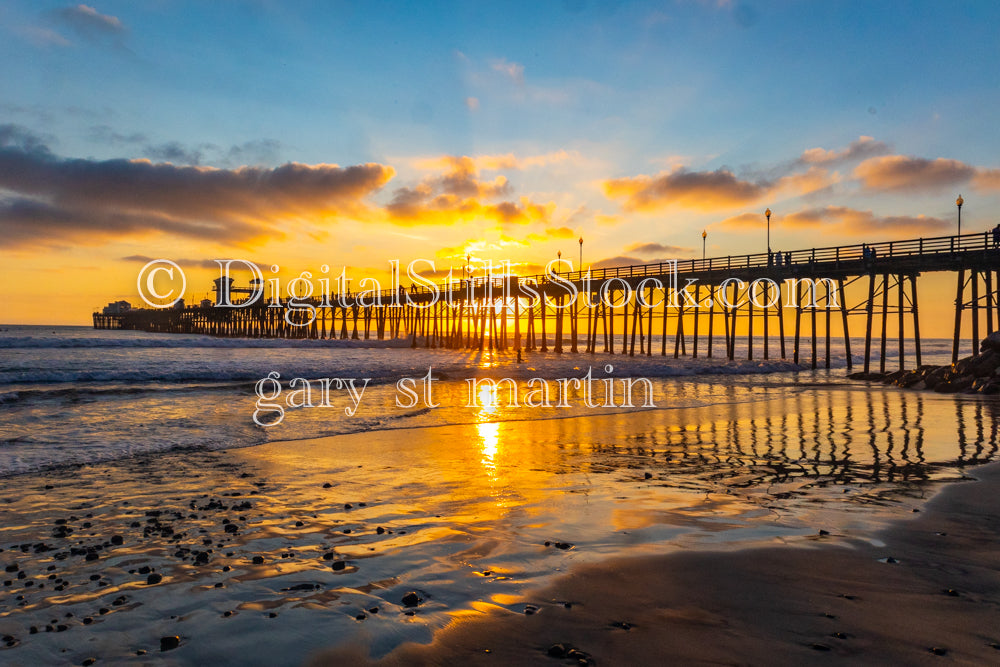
{"type": "Point", "coordinates": [797, 297]}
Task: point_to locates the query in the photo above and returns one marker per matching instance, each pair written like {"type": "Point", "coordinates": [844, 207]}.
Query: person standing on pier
{"type": "Point", "coordinates": [996, 236]}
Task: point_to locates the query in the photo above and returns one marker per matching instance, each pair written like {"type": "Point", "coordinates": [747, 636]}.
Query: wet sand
{"type": "Point", "coordinates": [931, 593]}
{"type": "Point", "coordinates": [273, 554]}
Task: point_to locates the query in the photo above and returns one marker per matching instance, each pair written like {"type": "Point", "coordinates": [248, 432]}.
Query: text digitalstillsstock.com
{"type": "Point", "coordinates": [558, 290]}
{"type": "Point", "coordinates": [348, 392]}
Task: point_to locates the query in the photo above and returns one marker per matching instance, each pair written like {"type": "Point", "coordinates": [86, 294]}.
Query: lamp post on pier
{"type": "Point", "coordinates": [559, 264]}
{"type": "Point", "coordinates": [580, 268]}
{"type": "Point", "coordinates": [704, 236]}
{"type": "Point", "coordinates": [959, 203]}
{"type": "Point", "coordinates": [768, 214]}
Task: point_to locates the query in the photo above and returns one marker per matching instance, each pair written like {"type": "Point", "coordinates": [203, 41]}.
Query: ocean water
{"type": "Point", "coordinates": [71, 395]}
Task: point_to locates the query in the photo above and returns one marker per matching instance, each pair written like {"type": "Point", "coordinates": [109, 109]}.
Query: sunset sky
{"type": "Point", "coordinates": [350, 134]}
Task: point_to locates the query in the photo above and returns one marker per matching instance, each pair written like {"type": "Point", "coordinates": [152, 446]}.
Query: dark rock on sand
{"type": "Point", "coordinates": [411, 599]}
{"type": "Point", "coordinates": [339, 565]}
{"type": "Point", "coordinates": [979, 373]}
{"type": "Point", "coordinates": [154, 579]}
{"type": "Point", "coordinates": [557, 651]}
{"type": "Point", "coordinates": [169, 643]}
{"type": "Point", "coordinates": [302, 587]}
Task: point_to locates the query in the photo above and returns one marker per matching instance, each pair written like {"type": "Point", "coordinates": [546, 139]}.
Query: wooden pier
{"type": "Point", "coordinates": [778, 301]}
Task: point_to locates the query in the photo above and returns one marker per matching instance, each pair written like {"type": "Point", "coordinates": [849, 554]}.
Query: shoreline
{"type": "Point", "coordinates": [932, 590]}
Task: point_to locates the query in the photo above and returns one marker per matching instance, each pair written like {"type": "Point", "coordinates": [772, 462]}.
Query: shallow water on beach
{"type": "Point", "coordinates": [472, 514]}
{"type": "Point", "coordinates": [72, 395]}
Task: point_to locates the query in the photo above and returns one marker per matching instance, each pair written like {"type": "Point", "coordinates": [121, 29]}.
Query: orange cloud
{"type": "Point", "coordinates": [478, 163]}
{"type": "Point", "coordinates": [987, 179]}
{"type": "Point", "coordinates": [864, 147]}
{"type": "Point", "coordinates": [460, 196]}
{"type": "Point", "coordinates": [910, 174]}
{"type": "Point", "coordinates": [554, 233]}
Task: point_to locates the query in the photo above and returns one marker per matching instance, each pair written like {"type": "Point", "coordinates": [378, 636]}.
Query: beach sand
{"type": "Point", "coordinates": [308, 550]}
{"type": "Point", "coordinates": [937, 598]}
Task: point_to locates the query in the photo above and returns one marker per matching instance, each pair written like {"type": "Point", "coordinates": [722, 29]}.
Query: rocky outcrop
{"type": "Point", "coordinates": [979, 374]}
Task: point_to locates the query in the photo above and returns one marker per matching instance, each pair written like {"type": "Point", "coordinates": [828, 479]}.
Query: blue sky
{"type": "Point", "coordinates": [631, 124]}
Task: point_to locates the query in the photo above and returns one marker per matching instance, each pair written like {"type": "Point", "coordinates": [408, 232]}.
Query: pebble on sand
{"type": "Point", "coordinates": [411, 599]}
{"type": "Point", "coordinates": [169, 643]}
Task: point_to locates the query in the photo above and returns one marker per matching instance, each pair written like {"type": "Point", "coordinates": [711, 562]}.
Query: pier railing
{"type": "Point", "coordinates": [939, 253]}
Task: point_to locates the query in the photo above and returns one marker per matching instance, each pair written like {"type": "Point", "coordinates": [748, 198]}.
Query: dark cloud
{"type": "Point", "coordinates": [104, 134]}
{"type": "Point", "coordinates": [845, 221]}
{"type": "Point", "coordinates": [257, 152]}
{"type": "Point", "coordinates": [910, 174]}
{"type": "Point", "coordinates": [23, 139]}
{"type": "Point", "coordinates": [173, 152]}
{"type": "Point", "coordinates": [27, 222]}
{"type": "Point", "coordinates": [658, 249]}
{"type": "Point", "coordinates": [620, 260]}
{"type": "Point", "coordinates": [50, 198]}
{"type": "Point", "coordinates": [703, 190]}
